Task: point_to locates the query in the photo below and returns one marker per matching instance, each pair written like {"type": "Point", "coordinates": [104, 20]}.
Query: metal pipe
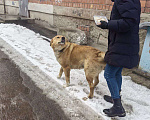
{"type": "Point", "coordinates": [4, 7]}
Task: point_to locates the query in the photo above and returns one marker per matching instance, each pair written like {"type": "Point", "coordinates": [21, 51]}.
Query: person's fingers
{"type": "Point", "coordinates": [98, 22]}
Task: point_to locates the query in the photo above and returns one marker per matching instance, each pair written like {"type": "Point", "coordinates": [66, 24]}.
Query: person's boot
{"type": "Point", "coordinates": [116, 110]}
{"type": "Point", "coordinates": [109, 98]}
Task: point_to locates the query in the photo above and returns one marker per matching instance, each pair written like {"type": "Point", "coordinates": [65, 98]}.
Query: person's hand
{"type": "Point", "coordinates": [98, 22]}
{"type": "Point", "coordinates": [103, 25]}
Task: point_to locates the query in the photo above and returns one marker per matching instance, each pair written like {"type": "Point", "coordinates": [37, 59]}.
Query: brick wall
{"type": "Point", "coordinates": [90, 4]}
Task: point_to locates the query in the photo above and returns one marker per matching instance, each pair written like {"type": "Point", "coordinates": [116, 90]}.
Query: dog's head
{"type": "Point", "coordinates": [58, 42]}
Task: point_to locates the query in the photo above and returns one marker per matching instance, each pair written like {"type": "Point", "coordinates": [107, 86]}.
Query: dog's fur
{"type": "Point", "coordinates": [73, 56]}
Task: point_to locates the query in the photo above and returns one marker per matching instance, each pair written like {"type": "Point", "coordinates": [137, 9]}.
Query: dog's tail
{"type": "Point", "coordinates": [101, 54]}
{"type": "Point", "coordinates": [100, 58]}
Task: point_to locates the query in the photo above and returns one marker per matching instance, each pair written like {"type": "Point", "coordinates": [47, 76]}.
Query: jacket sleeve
{"type": "Point", "coordinates": [129, 16]}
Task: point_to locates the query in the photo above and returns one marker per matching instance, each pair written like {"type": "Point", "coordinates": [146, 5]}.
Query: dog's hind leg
{"type": "Point", "coordinates": [96, 81]}
{"type": "Point", "coordinates": [60, 73]}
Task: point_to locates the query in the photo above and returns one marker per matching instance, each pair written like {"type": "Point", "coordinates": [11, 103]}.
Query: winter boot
{"type": "Point", "coordinates": [109, 98]}
{"type": "Point", "coordinates": [116, 110]}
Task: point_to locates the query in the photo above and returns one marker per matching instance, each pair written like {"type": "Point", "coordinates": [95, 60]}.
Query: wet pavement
{"type": "Point", "coordinates": [20, 102]}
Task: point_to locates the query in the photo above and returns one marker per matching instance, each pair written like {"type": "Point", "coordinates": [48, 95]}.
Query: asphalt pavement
{"type": "Point", "coordinates": [19, 102]}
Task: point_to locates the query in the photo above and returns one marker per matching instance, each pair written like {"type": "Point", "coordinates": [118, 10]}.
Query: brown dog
{"type": "Point", "coordinates": [73, 56]}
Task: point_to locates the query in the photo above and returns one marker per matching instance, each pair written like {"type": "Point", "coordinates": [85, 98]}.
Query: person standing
{"type": "Point", "coordinates": [123, 49]}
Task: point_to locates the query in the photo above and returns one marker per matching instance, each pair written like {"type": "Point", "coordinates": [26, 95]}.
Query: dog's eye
{"type": "Point", "coordinates": [58, 37]}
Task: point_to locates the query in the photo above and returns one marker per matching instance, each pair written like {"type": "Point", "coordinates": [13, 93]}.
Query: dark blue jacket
{"type": "Point", "coordinates": [123, 38]}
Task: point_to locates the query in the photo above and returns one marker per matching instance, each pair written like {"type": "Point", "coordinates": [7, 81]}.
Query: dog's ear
{"type": "Point", "coordinates": [51, 42]}
{"type": "Point", "coordinates": [66, 40]}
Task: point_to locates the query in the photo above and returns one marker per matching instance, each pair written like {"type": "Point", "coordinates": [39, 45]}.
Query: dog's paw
{"type": "Point", "coordinates": [90, 96]}
{"type": "Point", "coordinates": [65, 85]}
{"type": "Point", "coordinates": [84, 98]}
{"type": "Point", "coordinates": [58, 77]}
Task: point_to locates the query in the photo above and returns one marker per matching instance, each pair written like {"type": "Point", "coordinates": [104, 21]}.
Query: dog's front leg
{"type": "Point", "coordinates": [60, 73]}
{"type": "Point", "coordinates": [67, 76]}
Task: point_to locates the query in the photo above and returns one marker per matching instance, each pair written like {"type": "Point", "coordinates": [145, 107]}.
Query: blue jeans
{"type": "Point", "coordinates": [113, 77]}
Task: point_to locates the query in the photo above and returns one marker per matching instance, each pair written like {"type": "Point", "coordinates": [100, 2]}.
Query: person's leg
{"type": "Point", "coordinates": [114, 87]}
{"type": "Point", "coordinates": [110, 76]}
{"type": "Point", "coordinates": [119, 78]}
{"type": "Point", "coordinates": [119, 82]}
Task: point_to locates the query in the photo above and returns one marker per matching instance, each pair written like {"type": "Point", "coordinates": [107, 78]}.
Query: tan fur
{"type": "Point", "coordinates": [73, 56]}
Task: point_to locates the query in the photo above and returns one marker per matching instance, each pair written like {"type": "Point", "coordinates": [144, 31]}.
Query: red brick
{"type": "Point", "coordinates": [107, 7]}
{"type": "Point", "coordinates": [86, 6]}
{"type": "Point", "coordinates": [90, 4]}
{"type": "Point", "coordinates": [142, 10]}
{"type": "Point", "coordinates": [100, 7]}
{"type": "Point", "coordinates": [70, 5]}
{"type": "Point", "coordinates": [102, 2]}
{"type": "Point", "coordinates": [104, 7]}
{"type": "Point", "coordinates": [110, 8]}
{"type": "Point", "coordinates": [95, 1]}
{"type": "Point", "coordinates": [147, 10]}
{"type": "Point", "coordinates": [143, 3]}
{"type": "Point", "coordinates": [49, 2]}
{"type": "Point", "coordinates": [148, 4]}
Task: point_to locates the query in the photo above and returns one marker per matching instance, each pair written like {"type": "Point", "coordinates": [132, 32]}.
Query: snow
{"type": "Point", "coordinates": [136, 98]}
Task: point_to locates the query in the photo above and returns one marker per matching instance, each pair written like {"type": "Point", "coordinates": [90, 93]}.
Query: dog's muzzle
{"type": "Point", "coordinates": [62, 40]}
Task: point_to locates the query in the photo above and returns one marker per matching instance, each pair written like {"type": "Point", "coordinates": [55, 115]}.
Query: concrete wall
{"type": "Point", "coordinates": [1, 7]}
{"type": "Point", "coordinates": [41, 12]}
{"type": "Point", "coordinates": [12, 7]}
{"type": "Point", "coordinates": [54, 16]}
